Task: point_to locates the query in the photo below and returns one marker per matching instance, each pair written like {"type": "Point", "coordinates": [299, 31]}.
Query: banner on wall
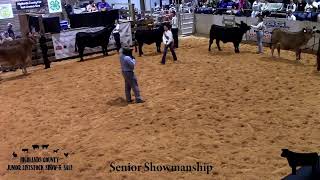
{"type": "Point", "coordinates": [54, 6]}
{"type": "Point", "coordinates": [29, 4]}
{"type": "Point", "coordinates": [64, 42]}
{"type": "Point", "coordinates": [6, 11]}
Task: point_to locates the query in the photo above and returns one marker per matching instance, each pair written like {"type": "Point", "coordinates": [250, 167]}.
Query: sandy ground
{"type": "Point", "coordinates": [235, 111]}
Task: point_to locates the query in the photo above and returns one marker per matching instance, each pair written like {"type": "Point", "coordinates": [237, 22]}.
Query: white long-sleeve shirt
{"type": "Point", "coordinates": [292, 18]}
{"type": "Point", "coordinates": [167, 37]}
{"type": "Point", "coordinates": [291, 7]}
{"type": "Point", "coordinates": [174, 22]}
{"type": "Point", "coordinates": [260, 26]}
{"type": "Point", "coordinates": [116, 29]}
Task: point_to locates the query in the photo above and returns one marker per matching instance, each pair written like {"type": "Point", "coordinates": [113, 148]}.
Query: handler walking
{"type": "Point", "coordinates": [44, 50]}
{"type": "Point", "coordinates": [260, 28]}
{"type": "Point", "coordinates": [127, 66]}
{"type": "Point", "coordinates": [168, 43]}
{"type": "Point", "coordinates": [174, 29]}
{"type": "Point", "coordinates": [116, 35]}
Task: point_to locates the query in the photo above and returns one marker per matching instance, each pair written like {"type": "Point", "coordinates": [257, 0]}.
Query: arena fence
{"type": "Point", "coordinates": [203, 24]}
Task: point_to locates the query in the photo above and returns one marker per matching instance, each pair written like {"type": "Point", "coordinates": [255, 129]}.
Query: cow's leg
{"type": "Point", "coordinates": [218, 44]}
{"type": "Point", "coordinates": [158, 47]}
{"type": "Point", "coordinates": [236, 47]}
{"type": "Point", "coordinates": [300, 54]}
{"type": "Point", "coordinates": [140, 49]}
{"type": "Point", "coordinates": [278, 48]}
{"type": "Point", "coordinates": [272, 49]}
{"type": "Point", "coordinates": [210, 43]}
{"type": "Point", "coordinates": [293, 170]}
{"type": "Point", "coordinates": [81, 50]}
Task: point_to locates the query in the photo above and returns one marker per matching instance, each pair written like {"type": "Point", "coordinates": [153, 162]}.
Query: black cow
{"type": "Point", "coordinates": [146, 36]}
{"type": "Point", "coordinates": [99, 38]}
{"type": "Point", "coordinates": [228, 34]}
{"type": "Point", "coordinates": [301, 159]}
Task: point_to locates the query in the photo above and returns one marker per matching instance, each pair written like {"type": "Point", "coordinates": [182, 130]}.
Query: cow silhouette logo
{"type": "Point", "coordinates": [25, 150]}
{"type": "Point", "coordinates": [66, 154]}
{"type": "Point", "coordinates": [56, 151]}
{"type": "Point", "coordinates": [35, 147]}
{"type": "Point", "coordinates": [14, 155]}
{"type": "Point", "coordinates": [45, 146]}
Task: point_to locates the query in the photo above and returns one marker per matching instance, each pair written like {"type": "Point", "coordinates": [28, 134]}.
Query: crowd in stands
{"type": "Point", "coordinates": [290, 9]}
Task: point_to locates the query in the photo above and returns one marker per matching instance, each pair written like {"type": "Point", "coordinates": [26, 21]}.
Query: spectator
{"type": "Point", "coordinates": [91, 7]}
{"type": "Point", "coordinates": [310, 9]}
{"type": "Point", "coordinates": [291, 7]}
{"type": "Point", "coordinates": [7, 37]}
{"type": "Point", "coordinates": [301, 5]}
{"type": "Point", "coordinates": [104, 6]}
{"type": "Point", "coordinates": [10, 31]}
{"type": "Point", "coordinates": [291, 17]}
{"type": "Point", "coordinates": [256, 8]}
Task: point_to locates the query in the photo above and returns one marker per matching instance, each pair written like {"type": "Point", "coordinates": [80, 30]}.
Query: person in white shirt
{"type": "Point", "coordinates": [256, 8]}
{"type": "Point", "coordinates": [291, 17]}
{"type": "Point", "coordinates": [291, 7]}
{"type": "Point", "coordinates": [168, 43]}
{"type": "Point", "coordinates": [7, 37]}
{"type": "Point", "coordinates": [91, 7]}
{"type": "Point", "coordinates": [260, 27]}
{"type": "Point", "coordinates": [116, 35]}
{"type": "Point", "coordinates": [174, 29]}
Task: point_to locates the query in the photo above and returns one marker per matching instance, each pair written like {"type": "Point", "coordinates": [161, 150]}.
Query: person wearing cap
{"type": "Point", "coordinates": [10, 31]}
{"type": "Point", "coordinates": [260, 27]}
{"type": "Point", "coordinates": [128, 62]}
{"type": "Point", "coordinates": [7, 37]}
{"type": "Point", "coordinates": [104, 6]}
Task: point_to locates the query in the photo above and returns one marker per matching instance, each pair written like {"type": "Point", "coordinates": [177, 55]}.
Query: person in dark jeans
{"type": "Point", "coordinates": [44, 50]}
{"type": "Point", "coordinates": [116, 35]}
{"type": "Point", "coordinates": [128, 62]}
{"type": "Point", "coordinates": [174, 29]}
{"type": "Point", "coordinates": [168, 43]}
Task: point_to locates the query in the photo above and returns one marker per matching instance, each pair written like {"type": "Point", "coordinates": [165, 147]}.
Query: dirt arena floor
{"type": "Point", "coordinates": [235, 111]}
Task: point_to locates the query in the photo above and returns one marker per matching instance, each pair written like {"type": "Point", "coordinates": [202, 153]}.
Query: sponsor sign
{"type": "Point", "coordinates": [29, 4]}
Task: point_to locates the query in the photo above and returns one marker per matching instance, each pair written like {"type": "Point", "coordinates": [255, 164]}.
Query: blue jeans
{"type": "Point", "coordinates": [131, 83]}
{"type": "Point", "coordinates": [259, 41]}
{"type": "Point", "coordinates": [171, 47]}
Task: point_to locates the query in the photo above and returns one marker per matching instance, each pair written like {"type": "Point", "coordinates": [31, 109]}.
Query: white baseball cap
{"type": "Point", "coordinates": [9, 24]}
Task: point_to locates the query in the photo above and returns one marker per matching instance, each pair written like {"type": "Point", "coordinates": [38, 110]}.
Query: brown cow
{"type": "Point", "coordinates": [290, 40]}
{"type": "Point", "coordinates": [17, 53]}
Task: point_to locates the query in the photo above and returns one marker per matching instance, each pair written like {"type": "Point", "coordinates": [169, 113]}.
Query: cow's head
{"type": "Point", "coordinates": [243, 26]}
{"type": "Point", "coordinates": [308, 32]}
{"type": "Point", "coordinates": [285, 153]}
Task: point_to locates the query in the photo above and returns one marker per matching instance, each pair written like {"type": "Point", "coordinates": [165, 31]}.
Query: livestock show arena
{"type": "Point", "coordinates": [216, 114]}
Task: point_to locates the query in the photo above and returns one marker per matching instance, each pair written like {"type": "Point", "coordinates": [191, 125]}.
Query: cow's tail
{"type": "Point", "coordinates": [76, 46]}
